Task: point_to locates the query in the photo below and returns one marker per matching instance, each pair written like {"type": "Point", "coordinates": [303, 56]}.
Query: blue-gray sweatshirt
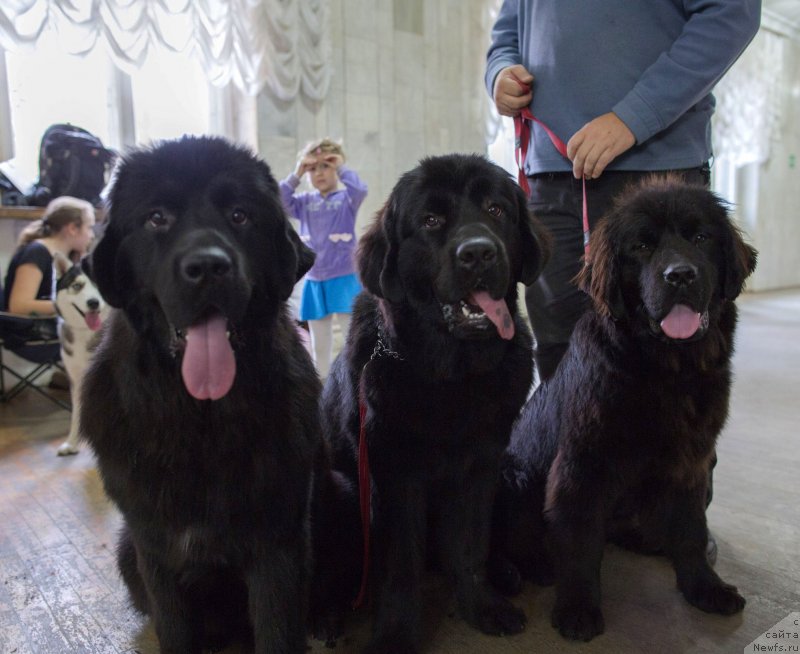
{"type": "Point", "coordinates": [652, 62]}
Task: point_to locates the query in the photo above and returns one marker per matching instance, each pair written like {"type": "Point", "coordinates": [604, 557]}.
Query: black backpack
{"type": "Point", "coordinates": [72, 162]}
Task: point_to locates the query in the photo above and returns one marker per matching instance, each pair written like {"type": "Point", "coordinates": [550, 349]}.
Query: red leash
{"type": "Point", "coordinates": [523, 122]}
{"type": "Point", "coordinates": [381, 349]}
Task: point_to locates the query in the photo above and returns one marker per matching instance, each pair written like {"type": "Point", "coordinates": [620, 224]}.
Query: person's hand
{"type": "Point", "coordinates": [510, 97]}
{"type": "Point", "coordinates": [304, 164]}
{"type": "Point", "coordinates": [597, 144]}
{"type": "Point", "coordinates": [333, 159]}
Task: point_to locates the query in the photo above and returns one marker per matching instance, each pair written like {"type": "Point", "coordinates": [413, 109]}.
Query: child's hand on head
{"type": "Point", "coordinates": [304, 164]}
{"type": "Point", "coordinates": [333, 159]}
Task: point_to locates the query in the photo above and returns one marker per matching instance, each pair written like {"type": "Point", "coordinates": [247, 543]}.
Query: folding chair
{"type": "Point", "coordinates": [34, 340]}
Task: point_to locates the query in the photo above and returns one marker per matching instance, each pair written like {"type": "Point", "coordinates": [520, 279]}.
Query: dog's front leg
{"type": "Point", "coordinates": [576, 513]}
{"type": "Point", "coordinates": [464, 541]}
{"type": "Point", "coordinates": [398, 563]}
{"type": "Point", "coordinates": [70, 446]}
{"type": "Point", "coordinates": [175, 624]}
{"type": "Point", "coordinates": [277, 584]}
{"type": "Point", "coordinates": [687, 537]}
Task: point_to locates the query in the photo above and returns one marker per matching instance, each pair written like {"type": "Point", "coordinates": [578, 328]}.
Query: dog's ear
{"type": "Point", "coordinates": [739, 262]}
{"type": "Point", "coordinates": [294, 259]}
{"type": "Point", "coordinates": [62, 263]}
{"type": "Point", "coordinates": [535, 241]}
{"type": "Point", "coordinates": [599, 277]}
{"type": "Point", "coordinates": [86, 267]}
{"type": "Point", "coordinates": [105, 271]}
{"type": "Point", "coordinates": [376, 256]}
{"type": "Point", "coordinates": [305, 255]}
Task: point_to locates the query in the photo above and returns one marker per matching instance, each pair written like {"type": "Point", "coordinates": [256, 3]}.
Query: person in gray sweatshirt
{"type": "Point", "coordinates": [626, 85]}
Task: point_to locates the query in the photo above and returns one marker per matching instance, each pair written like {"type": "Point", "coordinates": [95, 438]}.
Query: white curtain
{"type": "Point", "coordinates": [490, 119]}
{"type": "Point", "coordinates": [749, 114]}
{"type": "Point", "coordinates": [6, 134]}
{"type": "Point", "coordinates": [280, 44]}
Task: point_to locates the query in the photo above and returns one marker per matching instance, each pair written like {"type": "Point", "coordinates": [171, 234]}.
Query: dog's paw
{"type": "Point", "coordinates": [65, 449]}
{"type": "Point", "coordinates": [578, 621]}
{"type": "Point", "coordinates": [496, 616]}
{"type": "Point", "coordinates": [715, 597]}
{"type": "Point", "coordinates": [327, 627]}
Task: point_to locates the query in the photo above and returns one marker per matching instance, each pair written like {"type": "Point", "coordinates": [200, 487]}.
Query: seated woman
{"type": "Point", "coordinates": [66, 227]}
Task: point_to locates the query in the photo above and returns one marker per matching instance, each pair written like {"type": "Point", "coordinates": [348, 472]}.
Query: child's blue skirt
{"type": "Point", "coordinates": [331, 296]}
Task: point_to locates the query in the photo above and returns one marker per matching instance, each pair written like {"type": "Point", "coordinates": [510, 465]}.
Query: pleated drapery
{"type": "Point", "coordinates": [280, 44]}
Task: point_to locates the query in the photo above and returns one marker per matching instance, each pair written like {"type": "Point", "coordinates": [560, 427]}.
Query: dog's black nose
{"type": "Point", "coordinates": [93, 304]}
{"type": "Point", "coordinates": [682, 274]}
{"type": "Point", "coordinates": [476, 252]}
{"type": "Point", "coordinates": [205, 263]}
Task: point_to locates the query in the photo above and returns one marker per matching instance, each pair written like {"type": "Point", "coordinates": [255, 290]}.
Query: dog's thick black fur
{"type": "Point", "coordinates": [617, 445]}
{"type": "Point", "coordinates": [442, 383]}
{"type": "Point", "coordinates": [209, 447]}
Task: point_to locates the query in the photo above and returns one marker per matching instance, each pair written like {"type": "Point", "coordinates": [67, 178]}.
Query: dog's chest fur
{"type": "Point", "coordinates": [78, 343]}
{"type": "Point", "coordinates": [660, 406]}
{"type": "Point", "coordinates": [433, 422]}
{"type": "Point", "coordinates": [165, 429]}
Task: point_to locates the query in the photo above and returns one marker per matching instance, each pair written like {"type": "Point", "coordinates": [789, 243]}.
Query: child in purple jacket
{"type": "Point", "coordinates": [327, 218]}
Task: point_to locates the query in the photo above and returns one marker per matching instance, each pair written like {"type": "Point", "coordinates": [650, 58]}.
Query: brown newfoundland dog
{"type": "Point", "coordinates": [617, 445]}
{"type": "Point", "coordinates": [203, 403]}
{"type": "Point", "coordinates": [443, 364]}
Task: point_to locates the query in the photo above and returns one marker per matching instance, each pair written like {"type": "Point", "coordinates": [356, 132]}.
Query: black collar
{"type": "Point", "coordinates": [383, 345]}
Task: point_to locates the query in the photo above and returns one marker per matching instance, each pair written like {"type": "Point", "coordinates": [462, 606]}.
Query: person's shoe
{"type": "Point", "coordinates": [711, 550]}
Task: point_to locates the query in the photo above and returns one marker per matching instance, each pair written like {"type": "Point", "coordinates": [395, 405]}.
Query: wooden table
{"type": "Point", "coordinates": [21, 213]}
{"type": "Point", "coordinates": [34, 213]}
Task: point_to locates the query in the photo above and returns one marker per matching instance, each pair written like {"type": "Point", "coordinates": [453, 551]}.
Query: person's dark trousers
{"type": "Point", "coordinates": [554, 302]}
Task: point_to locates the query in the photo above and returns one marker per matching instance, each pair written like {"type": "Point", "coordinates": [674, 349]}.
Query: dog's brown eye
{"type": "Point", "coordinates": [238, 217]}
{"type": "Point", "coordinates": [157, 219]}
{"type": "Point", "coordinates": [700, 238]}
{"type": "Point", "coordinates": [495, 210]}
{"type": "Point", "coordinates": [641, 246]}
{"type": "Point", "coordinates": [432, 221]}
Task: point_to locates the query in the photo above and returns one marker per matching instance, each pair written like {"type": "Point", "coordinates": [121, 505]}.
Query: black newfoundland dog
{"type": "Point", "coordinates": [617, 444]}
{"type": "Point", "coordinates": [202, 402]}
{"type": "Point", "coordinates": [440, 363]}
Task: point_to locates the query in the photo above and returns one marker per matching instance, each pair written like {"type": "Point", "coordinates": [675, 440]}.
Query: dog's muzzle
{"type": "Point", "coordinates": [204, 293]}
{"type": "Point", "coordinates": [479, 315]}
{"type": "Point", "coordinates": [480, 270]}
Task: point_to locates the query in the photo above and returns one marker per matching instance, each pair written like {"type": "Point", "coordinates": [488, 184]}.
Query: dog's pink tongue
{"type": "Point", "coordinates": [496, 311]}
{"type": "Point", "coordinates": [681, 322]}
{"type": "Point", "coordinates": [93, 320]}
{"type": "Point", "coordinates": [208, 363]}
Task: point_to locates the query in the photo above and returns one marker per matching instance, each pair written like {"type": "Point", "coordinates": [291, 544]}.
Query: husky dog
{"type": "Point", "coordinates": [82, 311]}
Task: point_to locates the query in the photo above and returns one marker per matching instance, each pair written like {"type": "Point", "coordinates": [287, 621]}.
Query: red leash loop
{"type": "Point", "coordinates": [364, 491]}
{"type": "Point", "coordinates": [522, 136]}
